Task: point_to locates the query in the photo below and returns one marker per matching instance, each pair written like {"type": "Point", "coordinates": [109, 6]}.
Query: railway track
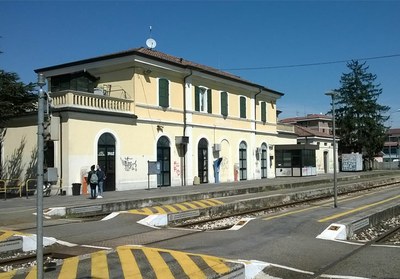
{"type": "Point", "coordinates": [225, 221]}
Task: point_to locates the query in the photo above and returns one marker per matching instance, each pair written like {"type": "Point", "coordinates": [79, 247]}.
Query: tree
{"type": "Point", "coordinates": [360, 119]}
{"type": "Point", "coordinates": [16, 98]}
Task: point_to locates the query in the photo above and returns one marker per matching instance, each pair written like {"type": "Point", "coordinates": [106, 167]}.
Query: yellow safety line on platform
{"type": "Point", "coordinates": [313, 207]}
{"type": "Point", "coordinates": [335, 216]}
{"type": "Point", "coordinates": [189, 267]}
{"type": "Point", "coordinates": [8, 275]}
{"type": "Point", "coordinates": [185, 206]}
{"type": "Point", "coordinates": [289, 213]}
{"type": "Point", "coordinates": [99, 265]}
{"type": "Point", "coordinates": [128, 263]}
{"type": "Point", "coordinates": [181, 206]}
{"type": "Point", "coordinates": [32, 273]}
{"type": "Point", "coordinates": [160, 210]}
{"type": "Point", "coordinates": [192, 206]}
{"type": "Point", "coordinates": [6, 235]}
{"type": "Point", "coordinates": [160, 268]}
{"type": "Point", "coordinates": [69, 268]}
{"type": "Point", "coordinates": [171, 208]}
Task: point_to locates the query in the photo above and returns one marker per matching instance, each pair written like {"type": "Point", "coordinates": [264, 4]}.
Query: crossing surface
{"type": "Point", "coordinates": [178, 207]}
{"type": "Point", "coordinates": [137, 262]}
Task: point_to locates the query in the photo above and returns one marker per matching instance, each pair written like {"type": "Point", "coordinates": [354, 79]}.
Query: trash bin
{"type": "Point", "coordinates": [76, 189]}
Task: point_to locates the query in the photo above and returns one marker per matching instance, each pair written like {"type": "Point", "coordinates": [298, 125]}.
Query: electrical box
{"type": "Point", "coordinates": [51, 175]}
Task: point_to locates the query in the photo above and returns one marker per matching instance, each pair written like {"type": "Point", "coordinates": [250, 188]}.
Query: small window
{"type": "Point", "coordinates": [163, 92]}
{"type": "Point", "coordinates": [224, 103]}
{"type": "Point", "coordinates": [203, 100]}
{"type": "Point", "coordinates": [264, 112]}
{"type": "Point", "coordinates": [242, 107]}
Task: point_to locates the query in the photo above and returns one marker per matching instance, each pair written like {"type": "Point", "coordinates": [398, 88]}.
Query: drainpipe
{"type": "Point", "coordinates": [184, 126]}
{"type": "Point", "coordinates": [255, 109]}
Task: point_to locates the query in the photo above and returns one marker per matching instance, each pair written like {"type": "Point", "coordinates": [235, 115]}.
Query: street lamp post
{"type": "Point", "coordinates": [333, 94]}
{"type": "Point", "coordinates": [390, 141]}
{"type": "Point", "coordinates": [39, 184]}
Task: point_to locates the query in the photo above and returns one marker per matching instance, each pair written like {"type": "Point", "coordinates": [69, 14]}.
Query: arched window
{"type": "Point", "coordinates": [106, 159]}
{"type": "Point", "coordinates": [164, 157]}
{"type": "Point", "coordinates": [202, 155]}
{"type": "Point", "coordinates": [264, 162]}
{"type": "Point", "coordinates": [243, 161]}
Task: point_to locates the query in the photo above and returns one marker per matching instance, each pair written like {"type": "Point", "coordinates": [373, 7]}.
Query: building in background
{"type": "Point", "coordinates": [315, 131]}
{"type": "Point", "coordinates": [391, 150]}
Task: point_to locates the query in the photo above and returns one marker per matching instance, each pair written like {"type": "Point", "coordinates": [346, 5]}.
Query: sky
{"type": "Point", "coordinates": [299, 48]}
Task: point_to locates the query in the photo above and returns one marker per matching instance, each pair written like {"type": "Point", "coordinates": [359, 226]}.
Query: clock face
{"type": "Point", "coordinates": [151, 43]}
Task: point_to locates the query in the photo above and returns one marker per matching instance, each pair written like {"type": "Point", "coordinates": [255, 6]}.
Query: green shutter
{"type": "Point", "coordinates": [197, 99]}
{"type": "Point", "coordinates": [263, 112]}
{"type": "Point", "coordinates": [242, 107]}
{"type": "Point", "coordinates": [209, 101]}
{"type": "Point", "coordinates": [163, 93]}
{"type": "Point", "coordinates": [224, 103]}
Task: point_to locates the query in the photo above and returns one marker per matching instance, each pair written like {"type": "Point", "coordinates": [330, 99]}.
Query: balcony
{"type": "Point", "coordinates": [84, 100]}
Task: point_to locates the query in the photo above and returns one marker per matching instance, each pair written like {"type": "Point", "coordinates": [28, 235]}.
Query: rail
{"type": "Point", "coordinates": [89, 100]}
{"type": "Point", "coordinates": [10, 185]}
{"type": "Point", "coordinates": [20, 187]}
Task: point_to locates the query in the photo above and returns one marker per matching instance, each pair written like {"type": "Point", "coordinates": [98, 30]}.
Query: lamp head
{"type": "Point", "coordinates": [41, 80]}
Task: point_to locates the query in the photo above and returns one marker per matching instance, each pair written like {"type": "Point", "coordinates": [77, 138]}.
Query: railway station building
{"type": "Point", "coordinates": [131, 110]}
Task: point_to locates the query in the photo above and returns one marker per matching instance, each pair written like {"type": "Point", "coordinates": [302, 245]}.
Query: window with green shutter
{"type": "Point", "coordinates": [197, 99]}
{"type": "Point", "coordinates": [163, 92]}
{"type": "Point", "coordinates": [202, 99]}
{"type": "Point", "coordinates": [224, 103]}
{"type": "Point", "coordinates": [264, 112]}
{"type": "Point", "coordinates": [209, 101]}
{"type": "Point", "coordinates": [242, 107]}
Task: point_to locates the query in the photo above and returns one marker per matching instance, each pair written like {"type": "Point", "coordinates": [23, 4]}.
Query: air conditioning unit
{"type": "Point", "coordinates": [217, 147]}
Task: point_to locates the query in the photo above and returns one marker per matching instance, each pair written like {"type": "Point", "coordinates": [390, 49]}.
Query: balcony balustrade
{"type": "Point", "coordinates": [78, 99]}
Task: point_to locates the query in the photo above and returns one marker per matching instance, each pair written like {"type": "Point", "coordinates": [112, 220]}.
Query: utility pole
{"type": "Point", "coordinates": [333, 94]}
{"type": "Point", "coordinates": [40, 178]}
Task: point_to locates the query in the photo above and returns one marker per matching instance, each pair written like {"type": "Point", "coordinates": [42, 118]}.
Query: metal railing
{"type": "Point", "coordinates": [20, 187]}
{"type": "Point", "coordinates": [11, 186]}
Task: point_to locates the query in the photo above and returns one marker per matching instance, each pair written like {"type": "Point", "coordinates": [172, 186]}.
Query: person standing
{"type": "Point", "coordinates": [93, 180]}
{"type": "Point", "coordinates": [101, 177]}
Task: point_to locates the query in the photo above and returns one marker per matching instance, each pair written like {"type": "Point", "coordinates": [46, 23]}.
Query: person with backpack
{"type": "Point", "coordinates": [101, 177]}
{"type": "Point", "coordinates": [93, 180]}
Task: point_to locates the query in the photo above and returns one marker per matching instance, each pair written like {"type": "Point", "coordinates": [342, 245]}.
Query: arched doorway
{"type": "Point", "coordinates": [202, 155]}
{"type": "Point", "coordinates": [264, 161]}
{"type": "Point", "coordinates": [243, 161]}
{"type": "Point", "coordinates": [106, 159]}
{"type": "Point", "coordinates": [164, 157]}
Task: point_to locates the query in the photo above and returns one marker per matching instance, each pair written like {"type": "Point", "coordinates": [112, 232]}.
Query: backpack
{"type": "Point", "coordinates": [93, 178]}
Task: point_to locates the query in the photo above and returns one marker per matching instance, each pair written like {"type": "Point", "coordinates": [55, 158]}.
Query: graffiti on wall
{"type": "Point", "coordinates": [129, 164]}
{"type": "Point", "coordinates": [177, 168]}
